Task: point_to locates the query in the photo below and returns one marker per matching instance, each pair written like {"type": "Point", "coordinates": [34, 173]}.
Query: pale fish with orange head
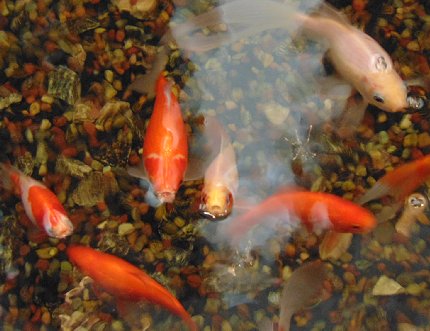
{"type": "Point", "coordinates": [357, 57]}
{"type": "Point", "coordinates": [221, 179]}
{"type": "Point", "coordinates": [316, 210]}
{"type": "Point", "coordinates": [165, 146]}
{"type": "Point", "coordinates": [40, 204]}
{"type": "Point", "coordinates": [125, 281]}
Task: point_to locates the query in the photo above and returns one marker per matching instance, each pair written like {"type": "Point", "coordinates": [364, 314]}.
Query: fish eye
{"type": "Point", "coordinates": [378, 98]}
{"type": "Point", "coordinates": [356, 227]}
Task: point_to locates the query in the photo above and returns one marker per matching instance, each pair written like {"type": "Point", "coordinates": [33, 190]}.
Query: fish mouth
{"type": "Point", "coordinates": [166, 197]}
{"type": "Point", "coordinates": [214, 213]}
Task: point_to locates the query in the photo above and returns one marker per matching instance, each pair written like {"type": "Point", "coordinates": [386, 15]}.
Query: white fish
{"type": "Point", "coordinates": [357, 58]}
{"type": "Point", "coordinates": [221, 177]}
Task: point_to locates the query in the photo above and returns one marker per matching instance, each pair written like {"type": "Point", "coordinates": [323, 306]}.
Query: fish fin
{"type": "Point", "coordinates": [304, 284]}
{"type": "Point", "coordinates": [378, 190]}
{"type": "Point", "coordinates": [195, 168]}
{"type": "Point", "coordinates": [9, 180]}
{"type": "Point", "coordinates": [244, 18]}
{"type": "Point", "coordinates": [319, 219]}
{"type": "Point", "coordinates": [334, 87]}
{"type": "Point", "coordinates": [146, 83]}
{"type": "Point", "coordinates": [138, 172]}
{"type": "Point", "coordinates": [351, 117]}
{"type": "Point", "coordinates": [328, 11]}
{"type": "Point", "coordinates": [388, 212]}
{"type": "Point", "coordinates": [334, 244]}
{"type": "Point", "coordinates": [290, 189]}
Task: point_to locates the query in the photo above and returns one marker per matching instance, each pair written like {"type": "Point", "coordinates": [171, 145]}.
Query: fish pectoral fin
{"type": "Point", "coordinates": [351, 117]}
{"type": "Point", "coordinates": [334, 244]}
{"type": "Point", "coordinates": [138, 172]}
{"type": "Point", "coordinates": [195, 169]}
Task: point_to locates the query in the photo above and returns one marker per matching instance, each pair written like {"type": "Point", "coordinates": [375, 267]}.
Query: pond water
{"type": "Point", "coordinates": [273, 119]}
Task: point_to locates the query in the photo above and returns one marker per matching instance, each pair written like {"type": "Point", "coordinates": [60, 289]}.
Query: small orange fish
{"type": "Point", "coordinates": [400, 182]}
{"type": "Point", "coordinates": [165, 147]}
{"type": "Point", "coordinates": [125, 281]}
{"type": "Point", "coordinates": [316, 210]}
{"type": "Point", "coordinates": [221, 176]}
{"type": "Point", "coordinates": [41, 205]}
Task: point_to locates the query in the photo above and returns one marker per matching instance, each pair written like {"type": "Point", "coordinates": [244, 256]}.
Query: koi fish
{"type": "Point", "coordinates": [357, 58]}
{"type": "Point", "coordinates": [400, 182]}
{"type": "Point", "coordinates": [125, 281]}
{"type": "Point", "coordinates": [221, 177]}
{"type": "Point", "coordinates": [40, 204]}
{"type": "Point", "coordinates": [165, 147]}
{"type": "Point", "coordinates": [316, 210]}
{"type": "Point", "coordinates": [304, 285]}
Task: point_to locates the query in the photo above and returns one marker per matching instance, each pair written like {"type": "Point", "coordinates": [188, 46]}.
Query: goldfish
{"type": "Point", "coordinates": [40, 204]}
{"type": "Point", "coordinates": [357, 57]}
{"type": "Point", "coordinates": [165, 146]}
{"type": "Point", "coordinates": [401, 181]}
{"type": "Point", "coordinates": [221, 178]}
{"type": "Point", "coordinates": [124, 281]}
{"type": "Point", "coordinates": [316, 210]}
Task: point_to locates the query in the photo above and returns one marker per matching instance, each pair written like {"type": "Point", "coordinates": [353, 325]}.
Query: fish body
{"type": "Point", "coordinates": [401, 181]}
{"type": "Point", "coordinates": [40, 204]}
{"type": "Point", "coordinates": [165, 147]}
{"type": "Point", "coordinates": [124, 281]}
{"type": "Point", "coordinates": [221, 178]}
{"type": "Point", "coordinates": [316, 210]}
{"type": "Point", "coordinates": [358, 58]}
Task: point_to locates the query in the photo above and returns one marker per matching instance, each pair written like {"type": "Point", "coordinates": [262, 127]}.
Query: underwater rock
{"type": "Point", "coordinates": [64, 84]}
{"type": "Point", "coordinates": [68, 166]}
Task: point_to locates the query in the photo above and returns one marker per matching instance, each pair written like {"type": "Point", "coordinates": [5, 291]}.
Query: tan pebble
{"type": "Point", "coordinates": [423, 140]}
{"type": "Point", "coordinates": [410, 140]}
{"type": "Point", "coordinates": [109, 75]}
{"type": "Point", "coordinates": [413, 46]}
{"type": "Point", "coordinates": [117, 85]}
{"type": "Point", "coordinates": [34, 108]}
{"type": "Point", "coordinates": [45, 124]}
{"type": "Point", "coordinates": [47, 99]}
{"type": "Point", "coordinates": [125, 229]}
{"type": "Point", "coordinates": [148, 256]}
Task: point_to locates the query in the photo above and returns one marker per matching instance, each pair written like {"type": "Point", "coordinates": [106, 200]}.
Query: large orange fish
{"type": "Point", "coordinates": [400, 182]}
{"type": "Point", "coordinates": [316, 210]}
{"type": "Point", "coordinates": [41, 205]}
{"type": "Point", "coordinates": [125, 281]}
{"type": "Point", "coordinates": [165, 146]}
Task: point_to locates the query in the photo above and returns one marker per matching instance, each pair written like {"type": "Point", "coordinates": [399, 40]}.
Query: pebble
{"type": "Point", "coordinates": [410, 140]}
{"type": "Point", "coordinates": [125, 229]}
{"type": "Point", "coordinates": [47, 252]}
{"type": "Point", "coordinates": [423, 140]}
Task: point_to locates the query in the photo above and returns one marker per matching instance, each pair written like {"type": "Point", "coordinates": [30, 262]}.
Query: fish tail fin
{"type": "Point", "coordinates": [9, 176]}
{"type": "Point", "coordinates": [378, 190]}
{"type": "Point", "coordinates": [243, 18]}
{"type": "Point", "coordinates": [146, 84]}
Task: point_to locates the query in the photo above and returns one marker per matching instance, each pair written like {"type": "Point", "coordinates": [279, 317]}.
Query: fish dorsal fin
{"type": "Point", "coordinates": [328, 11]}
{"type": "Point", "coordinates": [290, 189]}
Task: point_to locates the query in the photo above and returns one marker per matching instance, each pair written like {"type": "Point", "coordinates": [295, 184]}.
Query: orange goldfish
{"type": "Point", "coordinates": [41, 205]}
{"type": "Point", "coordinates": [401, 181]}
{"type": "Point", "coordinates": [125, 281]}
{"type": "Point", "coordinates": [221, 177]}
{"type": "Point", "coordinates": [316, 210]}
{"type": "Point", "coordinates": [358, 58]}
{"type": "Point", "coordinates": [165, 147]}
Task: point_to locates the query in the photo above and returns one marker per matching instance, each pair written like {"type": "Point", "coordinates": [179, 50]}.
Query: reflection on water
{"type": "Point", "coordinates": [76, 95]}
